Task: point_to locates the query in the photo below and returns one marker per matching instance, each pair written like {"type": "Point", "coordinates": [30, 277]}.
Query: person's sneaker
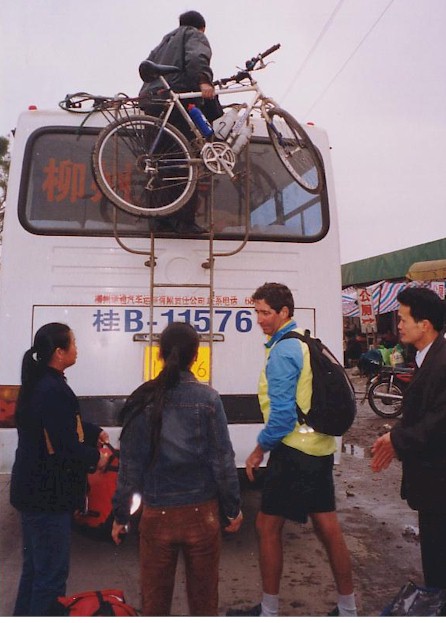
{"type": "Point", "coordinates": [334, 612]}
{"type": "Point", "coordinates": [254, 611]}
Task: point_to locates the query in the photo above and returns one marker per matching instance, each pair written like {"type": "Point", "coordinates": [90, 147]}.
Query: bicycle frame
{"type": "Point", "coordinates": [175, 100]}
{"type": "Point", "coordinates": [193, 151]}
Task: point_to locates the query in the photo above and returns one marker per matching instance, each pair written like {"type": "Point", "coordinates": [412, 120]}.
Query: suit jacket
{"type": "Point", "coordinates": [420, 438]}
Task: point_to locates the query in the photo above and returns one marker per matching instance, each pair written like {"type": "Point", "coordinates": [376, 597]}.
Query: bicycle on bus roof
{"type": "Point", "coordinates": [146, 166]}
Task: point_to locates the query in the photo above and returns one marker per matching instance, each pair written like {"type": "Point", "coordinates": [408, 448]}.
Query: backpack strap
{"type": "Point", "coordinates": [309, 341]}
{"type": "Point", "coordinates": [302, 338]}
{"type": "Point", "coordinates": [292, 334]}
{"type": "Point", "coordinates": [105, 608]}
{"type": "Point", "coordinates": [112, 461]}
{"type": "Point", "coordinates": [183, 50]}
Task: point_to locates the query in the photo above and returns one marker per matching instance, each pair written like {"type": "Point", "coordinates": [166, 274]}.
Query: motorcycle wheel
{"type": "Point", "coordinates": [385, 398]}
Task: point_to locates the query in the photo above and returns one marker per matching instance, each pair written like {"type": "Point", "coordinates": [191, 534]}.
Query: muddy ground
{"type": "Point", "coordinates": [378, 527]}
{"type": "Point", "coordinates": [382, 531]}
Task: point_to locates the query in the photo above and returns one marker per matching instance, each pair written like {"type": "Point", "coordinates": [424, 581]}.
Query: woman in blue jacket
{"type": "Point", "coordinates": [176, 452]}
{"type": "Point", "coordinates": [48, 481]}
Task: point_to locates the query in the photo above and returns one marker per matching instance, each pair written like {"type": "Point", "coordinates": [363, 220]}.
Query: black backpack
{"type": "Point", "coordinates": [333, 403]}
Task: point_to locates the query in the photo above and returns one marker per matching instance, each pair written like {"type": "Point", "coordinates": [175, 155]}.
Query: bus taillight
{"type": "Point", "coordinates": [8, 401]}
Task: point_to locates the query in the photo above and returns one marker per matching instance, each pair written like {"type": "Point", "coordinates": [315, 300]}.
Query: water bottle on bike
{"type": "Point", "coordinates": [223, 125]}
{"type": "Point", "coordinates": [200, 120]}
{"type": "Point", "coordinates": [165, 167]}
{"type": "Point", "coordinates": [242, 139]}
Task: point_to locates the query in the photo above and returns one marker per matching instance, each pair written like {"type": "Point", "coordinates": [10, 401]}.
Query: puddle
{"type": "Point", "coordinates": [353, 450]}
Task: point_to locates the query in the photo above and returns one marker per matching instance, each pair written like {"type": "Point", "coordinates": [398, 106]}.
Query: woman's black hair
{"type": "Point", "coordinates": [178, 348]}
{"type": "Point", "coordinates": [36, 359]}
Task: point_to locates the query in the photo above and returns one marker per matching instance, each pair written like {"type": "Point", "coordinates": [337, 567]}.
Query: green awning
{"type": "Point", "coordinates": [394, 265]}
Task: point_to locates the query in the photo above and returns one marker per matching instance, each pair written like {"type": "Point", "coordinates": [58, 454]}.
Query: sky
{"type": "Point", "coordinates": [371, 72]}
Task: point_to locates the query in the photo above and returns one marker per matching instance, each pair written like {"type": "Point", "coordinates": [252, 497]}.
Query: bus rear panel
{"type": "Point", "coordinates": [61, 262]}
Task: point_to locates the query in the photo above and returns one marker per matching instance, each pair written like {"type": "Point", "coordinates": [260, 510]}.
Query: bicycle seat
{"type": "Point", "coordinates": [401, 369]}
{"type": "Point", "coordinates": [398, 369]}
{"type": "Point", "coordinates": [148, 70]}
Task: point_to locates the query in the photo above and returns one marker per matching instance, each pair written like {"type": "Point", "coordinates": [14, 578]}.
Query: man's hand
{"type": "Point", "coordinates": [117, 530]}
{"type": "Point", "coordinates": [103, 460]}
{"type": "Point", "coordinates": [253, 462]}
{"type": "Point", "coordinates": [235, 524]}
{"type": "Point", "coordinates": [207, 91]}
{"type": "Point", "coordinates": [103, 438]}
{"type": "Point", "coordinates": [383, 452]}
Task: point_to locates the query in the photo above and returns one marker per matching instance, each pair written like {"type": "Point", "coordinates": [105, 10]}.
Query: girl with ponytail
{"type": "Point", "coordinates": [54, 454]}
{"type": "Point", "coordinates": [176, 453]}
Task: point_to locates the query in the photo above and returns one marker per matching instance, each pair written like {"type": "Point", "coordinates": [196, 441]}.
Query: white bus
{"type": "Point", "coordinates": [61, 261]}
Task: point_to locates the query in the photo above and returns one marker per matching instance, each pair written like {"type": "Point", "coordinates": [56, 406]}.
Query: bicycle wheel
{"type": "Point", "coordinates": [385, 398]}
{"type": "Point", "coordinates": [295, 150]}
{"type": "Point", "coordinates": [142, 169]}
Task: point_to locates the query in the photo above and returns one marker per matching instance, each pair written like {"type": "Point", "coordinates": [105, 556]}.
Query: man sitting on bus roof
{"type": "Point", "coordinates": [188, 48]}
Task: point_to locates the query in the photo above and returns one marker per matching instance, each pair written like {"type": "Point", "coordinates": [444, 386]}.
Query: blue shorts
{"type": "Point", "coordinates": [297, 484]}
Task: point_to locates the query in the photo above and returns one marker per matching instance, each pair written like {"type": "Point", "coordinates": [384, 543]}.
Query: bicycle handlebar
{"type": "Point", "coordinates": [235, 78]}
{"type": "Point", "coordinates": [74, 102]}
{"type": "Point", "coordinates": [270, 50]}
{"type": "Point", "coordinates": [250, 64]}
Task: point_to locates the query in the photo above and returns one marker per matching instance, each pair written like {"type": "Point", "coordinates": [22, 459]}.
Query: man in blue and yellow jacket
{"type": "Point", "coordinates": [299, 475]}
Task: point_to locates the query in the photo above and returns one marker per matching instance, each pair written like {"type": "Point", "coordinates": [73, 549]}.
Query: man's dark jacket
{"type": "Point", "coordinates": [420, 438]}
{"type": "Point", "coordinates": [188, 49]}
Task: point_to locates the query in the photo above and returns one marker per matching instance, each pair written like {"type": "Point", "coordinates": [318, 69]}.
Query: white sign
{"type": "Point", "coordinates": [366, 311]}
{"type": "Point", "coordinates": [438, 287]}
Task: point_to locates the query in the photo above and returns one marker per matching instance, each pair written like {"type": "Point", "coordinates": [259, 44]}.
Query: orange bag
{"type": "Point", "coordinates": [109, 602]}
{"type": "Point", "coordinates": [97, 518]}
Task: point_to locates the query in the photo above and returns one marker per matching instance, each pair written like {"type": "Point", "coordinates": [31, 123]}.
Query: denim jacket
{"type": "Point", "coordinates": [195, 461]}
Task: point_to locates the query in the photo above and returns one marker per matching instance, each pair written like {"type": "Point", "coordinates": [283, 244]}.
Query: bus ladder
{"type": "Point", "coordinates": [206, 285]}
{"type": "Point", "coordinates": [151, 337]}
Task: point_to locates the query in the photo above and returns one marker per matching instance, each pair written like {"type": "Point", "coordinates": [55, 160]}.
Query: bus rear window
{"type": "Point", "coordinates": [59, 196]}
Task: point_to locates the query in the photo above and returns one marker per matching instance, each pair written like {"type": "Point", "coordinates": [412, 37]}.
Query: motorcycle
{"type": "Point", "coordinates": [385, 389]}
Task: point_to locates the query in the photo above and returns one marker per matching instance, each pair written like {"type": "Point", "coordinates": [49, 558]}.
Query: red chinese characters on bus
{"type": "Point", "coordinates": [66, 180]}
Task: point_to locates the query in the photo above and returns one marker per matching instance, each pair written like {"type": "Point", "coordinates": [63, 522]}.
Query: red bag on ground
{"type": "Point", "coordinates": [106, 603]}
{"type": "Point", "coordinates": [97, 518]}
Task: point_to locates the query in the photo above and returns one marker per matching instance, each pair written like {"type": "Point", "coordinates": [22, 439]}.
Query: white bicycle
{"type": "Point", "coordinates": [146, 166]}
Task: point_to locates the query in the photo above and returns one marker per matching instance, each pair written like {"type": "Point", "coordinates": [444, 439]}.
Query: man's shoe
{"type": "Point", "coordinates": [197, 229]}
{"type": "Point", "coordinates": [162, 225]}
{"type": "Point", "coordinates": [334, 612]}
{"type": "Point", "coordinates": [254, 611]}
{"type": "Point", "coordinates": [190, 228]}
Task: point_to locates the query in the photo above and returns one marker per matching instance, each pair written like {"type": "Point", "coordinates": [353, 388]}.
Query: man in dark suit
{"type": "Point", "coordinates": [419, 440]}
